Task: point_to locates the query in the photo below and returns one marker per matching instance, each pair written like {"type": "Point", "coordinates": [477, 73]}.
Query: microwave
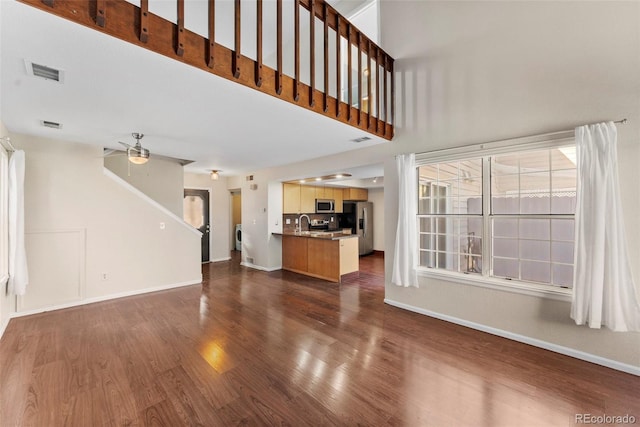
{"type": "Point", "coordinates": [325, 206]}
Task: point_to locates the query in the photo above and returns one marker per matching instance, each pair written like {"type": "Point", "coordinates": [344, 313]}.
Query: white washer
{"type": "Point", "coordinates": [238, 237]}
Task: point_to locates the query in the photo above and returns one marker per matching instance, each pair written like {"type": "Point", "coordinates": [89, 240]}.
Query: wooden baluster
{"type": "Point", "coordinates": [235, 63]}
{"type": "Point", "coordinates": [338, 65]}
{"type": "Point", "coordinates": [259, 43]}
{"type": "Point", "coordinates": [312, 52]}
{"type": "Point", "coordinates": [296, 83]}
{"type": "Point", "coordinates": [212, 32]}
{"type": "Point", "coordinates": [349, 74]}
{"type": "Point", "coordinates": [100, 12]}
{"type": "Point", "coordinates": [144, 20]}
{"type": "Point", "coordinates": [326, 58]}
{"type": "Point", "coordinates": [359, 40]}
{"type": "Point", "coordinates": [180, 42]}
{"type": "Point", "coordinates": [279, 47]}
{"type": "Point", "coordinates": [386, 94]}
{"type": "Point", "coordinates": [369, 97]}
{"type": "Point", "coordinates": [378, 88]}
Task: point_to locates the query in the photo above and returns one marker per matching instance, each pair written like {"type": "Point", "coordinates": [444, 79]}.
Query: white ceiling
{"type": "Point", "coordinates": [112, 88]}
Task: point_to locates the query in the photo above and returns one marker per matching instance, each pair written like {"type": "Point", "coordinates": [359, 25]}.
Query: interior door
{"type": "Point", "coordinates": [196, 213]}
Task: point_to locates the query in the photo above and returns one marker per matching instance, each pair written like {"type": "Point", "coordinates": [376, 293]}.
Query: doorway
{"type": "Point", "coordinates": [196, 213]}
{"type": "Point", "coordinates": [236, 220]}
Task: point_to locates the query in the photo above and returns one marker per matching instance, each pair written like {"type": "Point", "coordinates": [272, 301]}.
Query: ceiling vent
{"type": "Point", "coordinates": [52, 125]}
{"type": "Point", "coordinates": [362, 139]}
{"type": "Point", "coordinates": [44, 72]}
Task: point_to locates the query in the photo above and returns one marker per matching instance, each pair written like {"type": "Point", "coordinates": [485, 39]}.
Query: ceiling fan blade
{"type": "Point", "coordinates": [125, 144]}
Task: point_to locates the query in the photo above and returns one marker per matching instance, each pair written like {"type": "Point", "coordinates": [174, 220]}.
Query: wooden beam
{"type": "Point", "coordinates": [180, 38]}
{"type": "Point", "coordinates": [312, 53]}
{"type": "Point", "coordinates": [144, 21]}
{"type": "Point", "coordinates": [338, 65]}
{"type": "Point", "coordinates": [296, 59]}
{"type": "Point", "coordinates": [279, 46]}
{"type": "Point", "coordinates": [235, 62]}
{"type": "Point", "coordinates": [212, 33]}
{"type": "Point", "coordinates": [258, 73]}
{"type": "Point", "coordinates": [325, 98]}
{"type": "Point", "coordinates": [101, 12]}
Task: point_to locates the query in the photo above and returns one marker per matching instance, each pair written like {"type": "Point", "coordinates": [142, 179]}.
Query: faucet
{"type": "Point", "coordinates": [300, 221]}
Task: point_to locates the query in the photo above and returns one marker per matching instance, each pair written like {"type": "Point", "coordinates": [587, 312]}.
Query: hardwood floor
{"type": "Point", "coordinates": [255, 348]}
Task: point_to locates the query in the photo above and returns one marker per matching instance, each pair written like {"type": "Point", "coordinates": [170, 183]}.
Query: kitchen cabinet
{"type": "Point", "coordinates": [328, 259]}
{"type": "Point", "coordinates": [324, 192]}
{"type": "Point", "coordinates": [307, 199]}
{"type": "Point", "coordinates": [356, 194]}
{"type": "Point", "coordinates": [290, 198]}
{"type": "Point", "coordinates": [337, 197]}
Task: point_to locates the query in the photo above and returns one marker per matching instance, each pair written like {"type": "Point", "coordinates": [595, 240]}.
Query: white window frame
{"type": "Point", "coordinates": [541, 142]}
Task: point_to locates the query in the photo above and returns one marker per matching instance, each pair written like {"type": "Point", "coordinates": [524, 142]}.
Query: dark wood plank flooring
{"type": "Point", "coordinates": [255, 348]}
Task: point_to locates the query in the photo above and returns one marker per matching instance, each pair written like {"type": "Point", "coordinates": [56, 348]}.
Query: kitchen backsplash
{"type": "Point", "coordinates": [292, 221]}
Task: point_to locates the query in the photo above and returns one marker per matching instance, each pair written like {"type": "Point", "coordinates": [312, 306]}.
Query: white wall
{"type": "Point", "coordinates": [82, 225]}
{"type": "Point", "coordinates": [160, 179]}
{"type": "Point", "coordinates": [219, 208]}
{"type": "Point", "coordinates": [376, 195]}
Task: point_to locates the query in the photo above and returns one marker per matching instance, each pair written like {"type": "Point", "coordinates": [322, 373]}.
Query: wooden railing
{"type": "Point", "coordinates": [365, 102]}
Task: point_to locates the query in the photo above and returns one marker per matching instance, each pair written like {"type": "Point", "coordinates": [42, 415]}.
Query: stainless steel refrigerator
{"type": "Point", "coordinates": [359, 217]}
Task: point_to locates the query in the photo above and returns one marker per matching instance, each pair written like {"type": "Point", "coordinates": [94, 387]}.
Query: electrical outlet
{"type": "Point", "coordinates": [288, 221]}
{"type": "Point", "coordinates": [296, 221]}
{"type": "Point", "coordinates": [331, 219]}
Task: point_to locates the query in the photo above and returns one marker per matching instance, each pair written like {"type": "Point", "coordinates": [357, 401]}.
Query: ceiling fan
{"type": "Point", "coordinates": [136, 154]}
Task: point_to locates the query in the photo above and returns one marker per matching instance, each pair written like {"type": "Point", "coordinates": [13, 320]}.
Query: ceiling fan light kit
{"type": "Point", "coordinates": [138, 155]}
{"type": "Point", "coordinates": [215, 175]}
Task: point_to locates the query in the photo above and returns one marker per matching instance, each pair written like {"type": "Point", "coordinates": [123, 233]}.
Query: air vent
{"type": "Point", "coordinates": [362, 139]}
{"type": "Point", "coordinates": [52, 125]}
{"type": "Point", "coordinates": [44, 72]}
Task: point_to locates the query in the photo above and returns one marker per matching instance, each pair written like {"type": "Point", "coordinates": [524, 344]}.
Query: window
{"type": "Point", "coordinates": [508, 216]}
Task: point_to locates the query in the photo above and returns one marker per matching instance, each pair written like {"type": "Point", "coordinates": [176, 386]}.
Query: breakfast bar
{"type": "Point", "coordinates": [325, 255]}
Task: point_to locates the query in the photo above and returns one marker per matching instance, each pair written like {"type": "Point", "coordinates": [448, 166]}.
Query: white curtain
{"type": "Point", "coordinates": [406, 249]}
{"type": "Point", "coordinates": [603, 289]}
{"type": "Point", "coordinates": [18, 274]}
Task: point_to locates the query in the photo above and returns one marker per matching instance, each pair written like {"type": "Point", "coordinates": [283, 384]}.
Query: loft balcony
{"type": "Point", "coordinates": [301, 51]}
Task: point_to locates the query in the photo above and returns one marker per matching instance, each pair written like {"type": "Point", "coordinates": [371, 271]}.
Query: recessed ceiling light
{"type": "Point", "coordinates": [302, 181]}
{"type": "Point", "coordinates": [339, 175]}
{"type": "Point", "coordinates": [319, 178]}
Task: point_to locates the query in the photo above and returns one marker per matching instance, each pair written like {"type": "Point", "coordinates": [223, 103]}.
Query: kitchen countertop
{"type": "Point", "coordinates": [326, 235]}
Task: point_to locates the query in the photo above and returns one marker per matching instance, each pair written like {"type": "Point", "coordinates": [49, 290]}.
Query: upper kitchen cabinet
{"type": "Point", "coordinates": [307, 199]}
{"type": "Point", "coordinates": [356, 194]}
{"type": "Point", "coordinates": [291, 198]}
{"type": "Point", "coordinates": [338, 198]}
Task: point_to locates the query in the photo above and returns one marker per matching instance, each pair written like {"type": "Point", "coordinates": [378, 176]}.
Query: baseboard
{"type": "Point", "coordinates": [220, 259]}
{"type": "Point", "coordinates": [598, 360]}
{"type": "Point", "coordinates": [106, 298]}
{"type": "Point", "coordinates": [259, 267]}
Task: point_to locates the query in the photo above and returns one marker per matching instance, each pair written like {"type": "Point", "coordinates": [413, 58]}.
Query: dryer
{"type": "Point", "coordinates": [238, 237]}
